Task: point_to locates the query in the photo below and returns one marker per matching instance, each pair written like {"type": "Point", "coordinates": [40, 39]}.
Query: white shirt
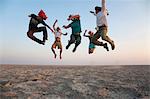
{"type": "Point", "coordinates": [57, 34]}
{"type": "Point", "coordinates": [101, 18]}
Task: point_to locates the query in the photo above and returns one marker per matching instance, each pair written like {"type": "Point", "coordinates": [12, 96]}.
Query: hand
{"type": "Point", "coordinates": [85, 31]}
{"type": "Point", "coordinates": [64, 26]}
{"type": "Point", "coordinates": [65, 33]}
{"type": "Point", "coordinates": [91, 12]}
{"type": "Point", "coordinates": [56, 20]}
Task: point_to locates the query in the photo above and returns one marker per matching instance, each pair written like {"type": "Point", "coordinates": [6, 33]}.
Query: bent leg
{"type": "Point", "coordinates": [91, 48]}
{"type": "Point", "coordinates": [31, 36]}
{"type": "Point", "coordinates": [44, 30]}
{"type": "Point", "coordinates": [60, 53]}
{"type": "Point", "coordinates": [78, 41]}
{"type": "Point", "coordinates": [107, 39]}
{"type": "Point", "coordinates": [95, 39]}
{"type": "Point", "coordinates": [59, 47]}
{"type": "Point", "coordinates": [71, 41]}
{"type": "Point", "coordinates": [98, 43]}
{"type": "Point", "coordinates": [52, 48]}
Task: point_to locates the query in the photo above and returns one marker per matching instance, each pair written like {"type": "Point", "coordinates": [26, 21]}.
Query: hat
{"type": "Point", "coordinates": [73, 17]}
{"type": "Point", "coordinates": [42, 14]}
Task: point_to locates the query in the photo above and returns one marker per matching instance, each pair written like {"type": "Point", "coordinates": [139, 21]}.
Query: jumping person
{"type": "Point", "coordinates": [76, 30]}
{"type": "Point", "coordinates": [57, 43]}
{"type": "Point", "coordinates": [102, 25]}
{"type": "Point", "coordinates": [33, 27]}
{"type": "Point", "coordinates": [91, 45]}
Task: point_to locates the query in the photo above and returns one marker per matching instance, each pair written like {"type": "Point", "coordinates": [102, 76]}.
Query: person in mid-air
{"type": "Point", "coordinates": [57, 43]}
{"type": "Point", "coordinates": [76, 30]}
{"type": "Point", "coordinates": [102, 25]}
{"type": "Point", "coordinates": [33, 27]}
{"type": "Point", "coordinates": [91, 45]}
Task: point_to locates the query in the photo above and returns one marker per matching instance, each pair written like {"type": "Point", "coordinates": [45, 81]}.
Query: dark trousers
{"type": "Point", "coordinates": [74, 39]}
{"type": "Point", "coordinates": [35, 30]}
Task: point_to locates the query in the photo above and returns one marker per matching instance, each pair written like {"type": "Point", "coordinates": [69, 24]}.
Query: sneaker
{"type": "Point", "coordinates": [112, 45]}
{"type": "Point", "coordinates": [44, 39]}
{"type": "Point", "coordinates": [60, 57]}
{"type": "Point", "coordinates": [67, 46]}
{"type": "Point", "coordinates": [74, 49]}
{"type": "Point", "coordinates": [106, 47]}
{"type": "Point", "coordinates": [55, 56]}
{"type": "Point", "coordinates": [43, 43]}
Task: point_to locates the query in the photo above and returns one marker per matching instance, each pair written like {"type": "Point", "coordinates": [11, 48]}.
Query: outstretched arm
{"type": "Point", "coordinates": [50, 28]}
{"type": "Point", "coordinates": [64, 34]}
{"type": "Point", "coordinates": [54, 25]}
{"type": "Point", "coordinates": [92, 12]}
{"type": "Point", "coordinates": [64, 26]}
{"type": "Point", "coordinates": [47, 26]}
{"type": "Point", "coordinates": [85, 34]}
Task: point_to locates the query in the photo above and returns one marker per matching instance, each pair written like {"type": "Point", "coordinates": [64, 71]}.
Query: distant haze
{"type": "Point", "coordinates": [128, 20]}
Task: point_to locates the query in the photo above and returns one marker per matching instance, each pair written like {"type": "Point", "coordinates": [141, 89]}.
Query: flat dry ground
{"type": "Point", "coordinates": [74, 82]}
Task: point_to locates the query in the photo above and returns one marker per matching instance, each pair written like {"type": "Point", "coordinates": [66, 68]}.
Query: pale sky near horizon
{"type": "Point", "coordinates": [129, 27]}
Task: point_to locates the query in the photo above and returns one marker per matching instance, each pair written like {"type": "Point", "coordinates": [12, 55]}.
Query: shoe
{"type": "Point", "coordinates": [60, 57]}
{"type": "Point", "coordinates": [67, 46]}
{"type": "Point", "coordinates": [55, 56]}
{"type": "Point", "coordinates": [112, 45]}
{"type": "Point", "coordinates": [43, 43]}
{"type": "Point", "coordinates": [44, 39]}
{"type": "Point", "coordinates": [74, 49]}
{"type": "Point", "coordinates": [106, 47]}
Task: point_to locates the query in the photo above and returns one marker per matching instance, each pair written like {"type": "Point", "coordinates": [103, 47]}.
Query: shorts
{"type": "Point", "coordinates": [57, 43]}
{"type": "Point", "coordinates": [91, 45]}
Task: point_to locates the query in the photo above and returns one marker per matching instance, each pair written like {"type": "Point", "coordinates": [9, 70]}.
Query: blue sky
{"type": "Point", "coordinates": [128, 26]}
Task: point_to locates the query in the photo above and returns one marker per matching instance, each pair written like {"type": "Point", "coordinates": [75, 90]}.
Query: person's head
{"type": "Point", "coordinates": [90, 33]}
{"type": "Point", "coordinates": [98, 9]}
{"type": "Point", "coordinates": [69, 17]}
{"type": "Point", "coordinates": [73, 17]}
{"type": "Point", "coordinates": [42, 15]}
{"type": "Point", "coordinates": [58, 29]}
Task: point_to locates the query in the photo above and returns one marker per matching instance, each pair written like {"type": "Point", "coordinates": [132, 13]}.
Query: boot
{"type": "Point", "coordinates": [106, 47]}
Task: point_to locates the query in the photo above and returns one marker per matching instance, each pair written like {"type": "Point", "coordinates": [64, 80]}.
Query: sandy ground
{"type": "Point", "coordinates": [74, 82]}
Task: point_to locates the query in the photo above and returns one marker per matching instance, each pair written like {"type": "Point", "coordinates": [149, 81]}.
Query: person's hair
{"type": "Point", "coordinates": [57, 28]}
{"type": "Point", "coordinates": [98, 8]}
{"type": "Point", "coordinates": [90, 32]}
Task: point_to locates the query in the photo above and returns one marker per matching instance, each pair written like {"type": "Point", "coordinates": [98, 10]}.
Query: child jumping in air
{"type": "Point", "coordinates": [57, 43]}
{"type": "Point", "coordinates": [91, 45]}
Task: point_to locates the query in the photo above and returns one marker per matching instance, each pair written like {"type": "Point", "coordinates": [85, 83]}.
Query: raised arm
{"type": "Point", "coordinates": [85, 34]}
{"type": "Point", "coordinates": [54, 25]}
{"type": "Point", "coordinates": [103, 5]}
